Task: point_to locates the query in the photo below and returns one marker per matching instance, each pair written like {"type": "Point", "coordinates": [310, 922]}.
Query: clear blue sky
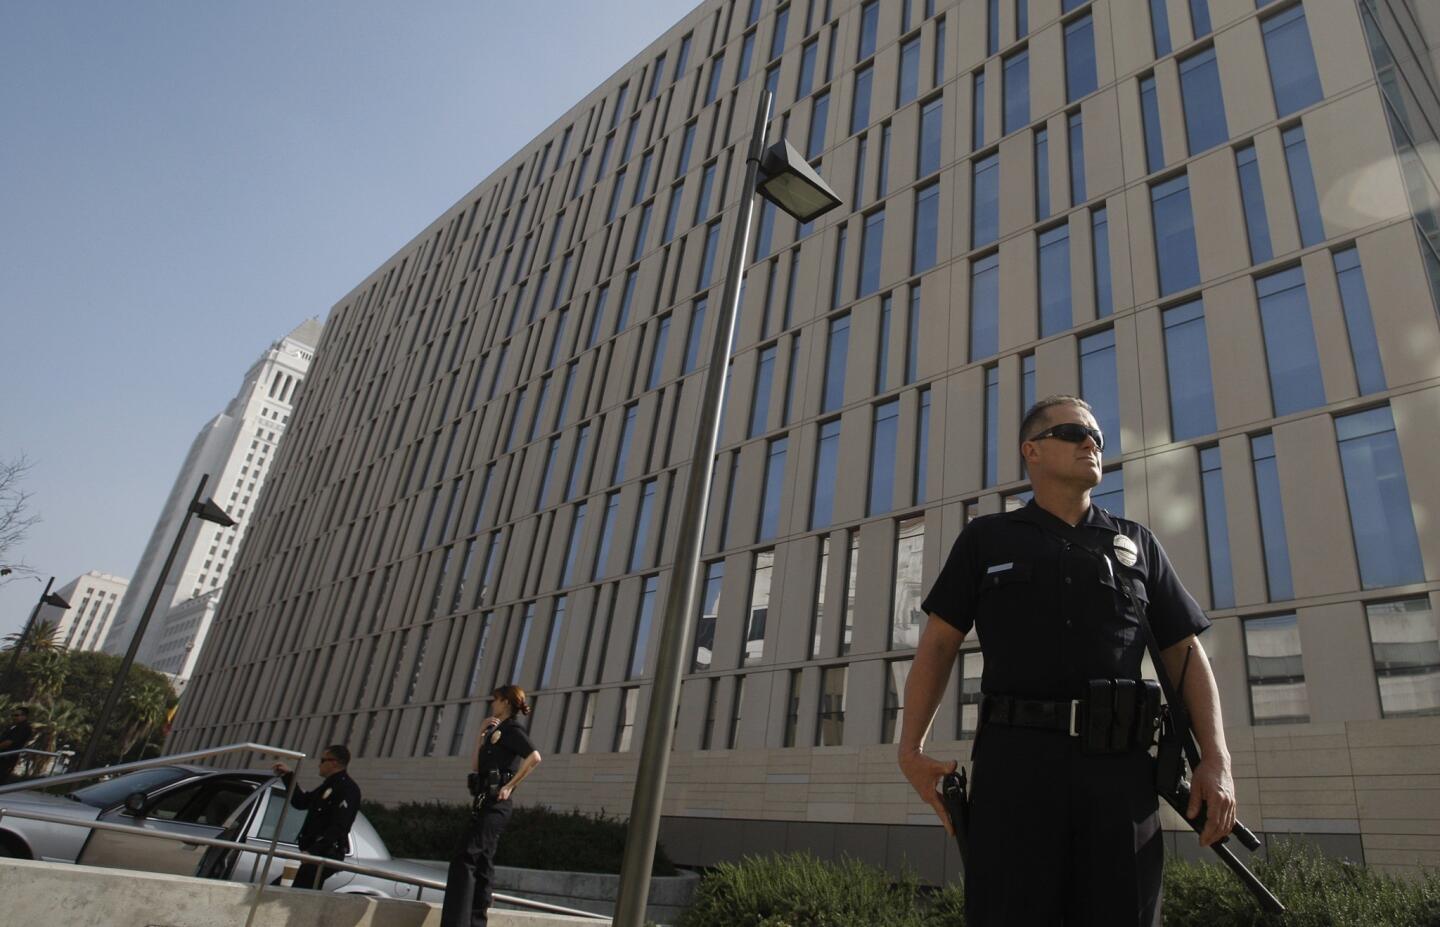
{"type": "Point", "coordinates": [183, 183]}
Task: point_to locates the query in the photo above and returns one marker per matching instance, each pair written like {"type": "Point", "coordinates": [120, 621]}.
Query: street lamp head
{"type": "Point", "coordinates": [209, 511]}
{"type": "Point", "coordinates": [788, 181]}
{"type": "Point", "coordinates": [54, 600]}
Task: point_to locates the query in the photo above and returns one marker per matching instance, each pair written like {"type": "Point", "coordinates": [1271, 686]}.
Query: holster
{"type": "Point", "coordinates": [1119, 715]}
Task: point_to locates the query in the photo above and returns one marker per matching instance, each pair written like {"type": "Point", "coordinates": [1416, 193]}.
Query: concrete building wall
{"type": "Point", "coordinates": [493, 407]}
{"type": "Point", "coordinates": [93, 599]}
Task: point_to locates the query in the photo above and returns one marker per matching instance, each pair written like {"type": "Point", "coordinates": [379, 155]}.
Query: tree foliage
{"type": "Point", "coordinates": [16, 518]}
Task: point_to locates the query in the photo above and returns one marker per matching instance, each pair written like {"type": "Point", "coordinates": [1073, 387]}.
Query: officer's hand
{"type": "Point", "coordinates": [925, 773]}
{"type": "Point", "coordinates": [280, 769]}
{"type": "Point", "coordinates": [504, 793]}
{"type": "Point", "coordinates": [1211, 785]}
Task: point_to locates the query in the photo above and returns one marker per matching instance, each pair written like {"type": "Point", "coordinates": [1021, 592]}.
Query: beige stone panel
{"type": "Point", "coordinates": [850, 482]}
{"type": "Point", "coordinates": [1057, 128]}
{"type": "Point", "coordinates": [793, 600]}
{"type": "Point", "coordinates": [1017, 182]}
{"type": "Point", "coordinates": [963, 416]}
{"type": "Point", "coordinates": [1332, 341]}
{"type": "Point", "coordinates": [1225, 646]}
{"type": "Point", "coordinates": [1176, 516]}
{"type": "Point", "coordinates": [1108, 140]}
{"type": "Point", "coordinates": [1316, 524]}
{"type": "Point", "coordinates": [959, 195]}
{"type": "Point", "coordinates": [1131, 35]}
{"type": "Point", "coordinates": [1247, 554]}
{"type": "Point", "coordinates": [1215, 203]}
{"type": "Point", "coordinates": [1379, 761]}
{"type": "Point", "coordinates": [1181, 32]}
{"type": "Point", "coordinates": [1335, 642]}
{"type": "Point", "coordinates": [1275, 184]}
{"type": "Point", "coordinates": [1057, 368]}
{"type": "Point", "coordinates": [1153, 386]}
{"type": "Point", "coordinates": [1172, 112]}
{"type": "Point", "coordinates": [895, 259]}
{"type": "Point", "coordinates": [1244, 75]}
{"type": "Point", "coordinates": [1008, 428]}
{"type": "Point", "coordinates": [1415, 417]}
{"type": "Point", "coordinates": [1118, 234]}
{"type": "Point", "coordinates": [939, 320]}
{"type": "Point", "coordinates": [1082, 267]}
{"type": "Point", "coordinates": [1237, 354]}
{"type": "Point", "coordinates": [1400, 305]}
{"type": "Point", "coordinates": [750, 732]}
{"type": "Point", "coordinates": [1047, 71]}
{"type": "Point", "coordinates": [1134, 220]}
{"type": "Point", "coordinates": [906, 437]}
{"type": "Point", "coordinates": [1356, 174]}
{"type": "Point", "coordinates": [1338, 40]}
{"type": "Point", "coordinates": [746, 496]}
{"type": "Point", "coordinates": [1127, 376]}
{"type": "Point", "coordinates": [994, 100]}
{"type": "Point", "coordinates": [1019, 313]}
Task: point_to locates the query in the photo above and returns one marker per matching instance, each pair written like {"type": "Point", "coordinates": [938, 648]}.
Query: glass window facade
{"type": "Point", "coordinates": [1175, 254]}
{"type": "Point", "coordinates": [884, 435]}
{"type": "Point", "coordinates": [1150, 117]}
{"type": "Point", "coordinates": [759, 609]}
{"type": "Point", "coordinates": [1080, 79]}
{"type": "Point", "coordinates": [1017, 91]}
{"type": "Point", "coordinates": [1359, 323]}
{"type": "Point", "coordinates": [1294, 78]}
{"type": "Point", "coordinates": [1381, 518]}
{"type": "Point", "coordinates": [704, 650]}
{"type": "Point", "coordinates": [1056, 314]}
{"type": "Point", "coordinates": [872, 241]}
{"type": "Point", "coordinates": [1252, 197]}
{"type": "Point", "coordinates": [1276, 670]}
{"type": "Point", "coordinates": [1302, 187]}
{"type": "Point", "coordinates": [909, 85]}
{"type": "Point", "coordinates": [1077, 159]}
{"type": "Point", "coordinates": [837, 350]}
{"type": "Point", "coordinates": [1100, 244]}
{"type": "Point", "coordinates": [1294, 362]}
{"type": "Point", "coordinates": [774, 488]}
{"type": "Point", "coordinates": [1405, 646]}
{"type": "Point", "coordinates": [992, 426]}
{"type": "Point", "coordinates": [1272, 518]}
{"type": "Point", "coordinates": [1204, 104]}
{"type": "Point", "coordinates": [985, 306]}
{"type": "Point", "coordinates": [860, 102]}
{"type": "Point", "coordinates": [906, 616]}
{"type": "Point", "coordinates": [1187, 365]}
{"type": "Point", "coordinates": [1100, 386]}
{"type": "Point", "coordinates": [1217, 529]}
{"type": "Point", "coordinates": [932, 118]}
{"type": "Point", "coordinates": [830, 726]}
{"type": "Point", "coordinates": [1042, 174]}
{"type": "Point", "coordinates": [985, 197]}
{"type": "Point", "coordinates": [927, 228]}
{"type": "Point", "coordinates": [827, 459]}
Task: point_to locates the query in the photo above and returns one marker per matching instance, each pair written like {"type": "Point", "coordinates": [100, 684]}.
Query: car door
{"type": "Point", "coordinates": [262, 828]}
{"type": "Point", "coordinates": [196, 808]}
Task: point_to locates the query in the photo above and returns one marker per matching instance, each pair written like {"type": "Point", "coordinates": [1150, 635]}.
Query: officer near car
{"type": "Point", "coordinates": [1063, 822]}
{"type": "Point", "coordinates": [504, 756]}
{"type": "Point", "coordinates": [330, 810]}
{"type": "Point", "coordinates": [13, 738]}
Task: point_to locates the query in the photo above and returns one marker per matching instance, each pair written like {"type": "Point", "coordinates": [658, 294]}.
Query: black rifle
{"type": "Point", "coordinates": [957, 805]}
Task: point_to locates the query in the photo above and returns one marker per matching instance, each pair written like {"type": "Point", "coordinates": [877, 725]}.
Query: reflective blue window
{"type": "Point", "coordinates": [872, 240]}
{"type": "Point", "coordinates": [985, 307]}
{"type": "Point", "coordinates": [860, 105]}
{"type": "Point", "coordinates": [838, 276]}
{"type": "Point", "coordinates": [1217, 529]}
{"type": "Point", "coordinates": [760, 401]}
{"type": "Point", "coordinates": [774, 485]}
{"type": "Point", "coordinates": [882, 353]}
{"type": "Point", "coordinates": [985, 197]}
{"type": "Point", "coordinates": [1110, 494]}
{"type": "Point", "coordinates": [1150, 116]}
{"type": "Point", "coordinates": [657, 357]}
{"type": "Point", "coordinates": [765, 234]}
{"type": "Point", "coordinates": [1302, 186]}
{"type": "Point", "coordinates": [697, 331]}
{"type": "Point", "coordinates": [1200, 18]}
{"type": "Point", "coordinates": [806, 81]}
{"type": "Point", "coordinates": [709, 612]}
{"type": "Point", "coordinates": [672, 212]}
{"type": "Point", "coordinates": [1022, 18]}
{"type": "Point", "coordinates": [882, 458]}
{"type": "Point", "coordinates": [1100, 243]}
{"type": "Point", "coordinates": [1272, 517]}
{"type": "Point", "coordinates": [1080, 79]}
{"type": "Point", "coordinates": [1295, 382]}
{"type": "Point", "coordinates": [1042, 174]}
{"type": "Point", "coordinates": [992, 26]}
{"type": "Point", "coordinates": [687, 145]}
{"type": "Point", "coordinates": [1204, 106]}
{"type": "Point", "coordinates": [1055, 312]}
{"type": "Point", "coordinates": [638, 248]}
{"type": "Point", "coordinates": [937, 76]}
{"type": "Point", "coordinates": [747, 51]}
{"type": "Point", "coordinates": [1077, 160]}
{"type": "Point", "coordinates": [835, 356]}
{"type": "Point", "coordinates": [1369, 374]}
{"type": "Point", "coordinates": [614, 206]}
{"type": "Point", "coordinates": [922, 447]}
{"type": "Point", "coordinates": [1293, 75]}
{"type": "Point", "coordinates": [1252, 196]}
{"type": "Point", "coordinates": [607, 534]}
{"type": "Point", "coordinates": [1381, 518]}
{"type": "Point", "coordinates": [909, 86]}
{"type": "Point", "coordinates": [927, 228]}
{"type": "Point", "coordinates": [707, 259]}
{"type": "Point", "coordinates": [683, 58]}
{"type": "Point", "coordinates": [577, 528]}
{"type": "Point", "coordinates": [912, 345]}
{"type": "Point", "coordinates": [1099, 386]}
{"type": "Point", "coordinates": [1017, 92]}
{"type": "Point", "coordinates": [642, 177]}
{"type": "Point", "coordinates": [1160, 28]}
{"type": "Point", "coordinates": [882, 169]}
{"type": "Point", "coordinates": [574, 485]}
{"type": "Point", "coordinates": [1175, 254]}
{"type": "Point", "coordinates": [642, 525]}
{"type": "Point", "coordinates": [857, 195]}
{"type": "Point", "coordinates": [707, 186]}
{"type": "Point", "coordinates": [827, 458]}
{"type": "Point", "coordinates": [992, 425]}
{"type": "Point", "coordinates": [977, 134]}
{"type": "Point", "coordinates": [869, 23]}
{"type": "Point", "coordinates": [712, 85]}
{"type": "Point", "coordinates": [777, 38]}
{"type": "Point", "coordinates": [1187, 365]}
{"type": "Point", "coordinates": [643, 624]}
{"type": "Point", "coordinates": [772, 80]}
{"type": "Point", "coordinates": [1027, 381]}
{"type": "Point", "coordinates": [815, 142]}
{"type": "Point", "coordinates": [932, 118]}
{"type": "Point", "coordinates": [627, 431]}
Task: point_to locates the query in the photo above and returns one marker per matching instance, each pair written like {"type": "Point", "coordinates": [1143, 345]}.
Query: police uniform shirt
{"type": "Point", "coordinates": [504, 749]}
{"type": "Point", "coordinates": [1050, 616]}
{"type": "Point", "coordinates": [330, 811]}
{"type": "Point", "coordinates": [16, 736]}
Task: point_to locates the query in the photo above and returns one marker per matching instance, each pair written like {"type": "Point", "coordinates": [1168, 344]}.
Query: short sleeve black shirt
{"type": "Point", "coordinates": [505, 748]}
{"type": "Point", "coordinates": [1050, 616]}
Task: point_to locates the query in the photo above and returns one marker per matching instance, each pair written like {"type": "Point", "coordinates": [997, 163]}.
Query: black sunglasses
{"type": "Point", "coordinates": [1073, 432]}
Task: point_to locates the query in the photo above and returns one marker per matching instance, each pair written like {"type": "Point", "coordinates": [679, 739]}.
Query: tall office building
{"type": "Point", "coordinates": [1213, 219]}
{"type": "Point", "coordinates": [237, 450]}
{"type": "Point", "coordinates": [93, 598]}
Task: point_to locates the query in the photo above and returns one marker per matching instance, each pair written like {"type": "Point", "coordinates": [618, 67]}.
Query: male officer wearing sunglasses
{"type": "Point", "coordinates": [1063, 820]}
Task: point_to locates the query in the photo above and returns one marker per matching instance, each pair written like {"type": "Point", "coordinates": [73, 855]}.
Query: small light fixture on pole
{"type": "Point", "coordinates": [46, 598]}
{"type": "Point", "coordinates": [783, 177]}
{"type": "Point", "coordinates": [207, 511]}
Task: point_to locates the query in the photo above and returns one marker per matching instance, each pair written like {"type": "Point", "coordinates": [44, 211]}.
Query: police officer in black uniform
{"type": "Point", "coordinates": [329, 810]}
{"type": "Point", "coordinates": [14, 737]}
{"type": "Point", "coordinates": [503, 758]}
{"type": "Point", "coordinates": [1064, 826]}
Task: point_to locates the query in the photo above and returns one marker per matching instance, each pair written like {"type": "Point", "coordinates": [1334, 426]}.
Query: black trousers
{"type": "Point", "coordinates": [310, 875]}
{"type": "Point", "coordinates": [1061, 838]}
{"type": "Point", "coordinates": [468, 885]}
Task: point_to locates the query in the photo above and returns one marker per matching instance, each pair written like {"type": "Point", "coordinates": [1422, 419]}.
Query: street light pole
{"type": "Point", "coordinates": [644, 827]}
{"type": "Point", "coordinates": [45, 599]}
{"type": "Point", "coordinates": [208, 511]}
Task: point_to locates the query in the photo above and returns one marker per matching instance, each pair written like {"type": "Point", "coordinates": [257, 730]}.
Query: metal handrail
{"type": "Point", "coordinates": [84, 774]}
{"type": "Point", "coordinates": [37, 752]}
{"type": "Point", "coordinates": [324, 861]}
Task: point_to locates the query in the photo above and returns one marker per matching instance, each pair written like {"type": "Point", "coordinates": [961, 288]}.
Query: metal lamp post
{"type": "Point", "coordinates": [46, 598]}
{"type": "Point", "coordinates": [783, 177]}
{"type": "Point", "coordinates": [207, 511]}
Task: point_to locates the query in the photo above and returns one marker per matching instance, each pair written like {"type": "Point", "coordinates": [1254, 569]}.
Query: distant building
{"type": "Point", "coordinates": [236, 448]}
{"type": "Point", "coordinates": [93, 598]}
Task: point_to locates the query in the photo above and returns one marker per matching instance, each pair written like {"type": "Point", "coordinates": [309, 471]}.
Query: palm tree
{"type": "Point", "coordinates": [43, 636]}
{"type": "Point", "coordinates": [146, 704]}
{"type": "Point", "coordinates": [47, 671]}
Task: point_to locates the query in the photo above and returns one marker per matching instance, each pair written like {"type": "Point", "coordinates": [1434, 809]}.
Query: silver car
{"type": "Point", "coordinates": [237, 805]}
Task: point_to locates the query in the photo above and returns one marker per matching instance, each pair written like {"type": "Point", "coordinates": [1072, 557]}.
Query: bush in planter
{"type": "Point", "coordinates": [537, 837]}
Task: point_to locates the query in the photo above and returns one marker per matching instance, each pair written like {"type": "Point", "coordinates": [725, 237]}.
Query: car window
{"type": "Point", "coordinates": [113, 791]}
{"type": "Point", "coordinates": [208, 802]}
{"type": "Point", "coordinates": [291, 831]}
{"type": "Point", "coordinates": [172, 805]}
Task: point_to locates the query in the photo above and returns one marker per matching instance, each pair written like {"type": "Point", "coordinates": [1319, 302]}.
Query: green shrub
{"type": "Point", "coordinates": [536, 837]}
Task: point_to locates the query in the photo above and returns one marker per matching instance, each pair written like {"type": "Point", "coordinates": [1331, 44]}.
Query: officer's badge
{"type": "Point", "coordinates": [495, 737]}
{"type": "Point", "coordinates": [326, 793]}
{"type": "Point", "coordinates": [1125, 550]}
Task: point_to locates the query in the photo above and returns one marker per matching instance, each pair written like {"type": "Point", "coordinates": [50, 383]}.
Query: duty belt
{"type": "Point", "coordinates": [1115, 716]}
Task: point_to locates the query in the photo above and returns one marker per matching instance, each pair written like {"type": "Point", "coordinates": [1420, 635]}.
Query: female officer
{"type": "Point", "coordinates": [503, 758]}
